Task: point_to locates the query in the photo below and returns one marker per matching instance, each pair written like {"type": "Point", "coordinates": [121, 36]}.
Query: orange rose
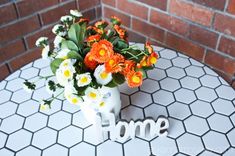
{"type": "Point", "coordinates": [102, 51]}
{"type": "Point", "coordinates": [83, 20]}
{"type": "Point", "coordinates": [115, 20]}
{"type": "Point", "coordinates": [148, 47]}
{"type": "Point", "coordinates": [128, 66]}
{"type": "Point", "coordinates": [113, 65]}
{"type": "Point", "coordinates": [121, 32]}
{"type": "Point", "coordinates": [152, 59]}
{"type": "Point", "coordinates": [93, 38]}
{"type": "Point", "coordinates": [143, 62]}
{"type": "Point", "coordinates": [134, 79]}
{"type": "Point", "coordinates": [101, 24]}
{"type": "Point", "coordinates": [90, 62]}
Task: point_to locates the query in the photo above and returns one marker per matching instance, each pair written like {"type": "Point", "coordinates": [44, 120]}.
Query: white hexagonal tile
{"type": "Point", "coordinates": [163, 146]}
{"type": "Point", "coordinates": [196, 125]}
{"type": "Point", "coordinates": [223, 81]}
{"type": "Point", "coordinates": [29, 73]}
{"type": "Point", "coordinates": [181, 62]}
{"type": "Point", "coordinates": [5, 96]}
{"type": "Point", "coordinates": [29, 151]}
{"type": "Point", "coordinates": [124, 88]}
{"type": "Point", "coordinates": [132, 113]}
{"type": "Point", "coordinates": [136, 147]}
{"type": "Point", "coordinates": [154, 111]}
{"type": "Point", "coordinates": [41, 63]}
{"type": "Point", "coordinates": [125, 100]}
{"type": "Point", "coordinates": [109, 148]}
{"type": "Point", "coordinates": [13, 75]}
{"type": "Point", "coordinates": [44, 138]}
{"type": "Point", "coordinates": [185, 96]}
{"type": "Point", "coordinates": [35, 122]}
{"type": "Point", "coordinates": [232, 117]}
{"type": "Point", "coordinates": [45, 72]}
{"type": "Point", "coordinates": [175, 72]}
{"type": "Point", "coordinates": [7, 109]}
{"type": "Point", "coordinates": [90, 136]}
{"type": "Point", "coordinates": [210, 81]}
{"type": "Point", "coordinates": [216, 142]}
{"type": "Point", "coordinates": [19, 140]}
{"type": "Point", "coordinates": [163, 63]}
{"type": "Point", "coordinates": [194, 71]}
{"type": "Point", "coordinates": [15, 84]}
{"type": "Point", "coordinates": [169, 84]}
{"type": "Point", "coordinates": [3, 84]}
{"type": "Point", "coordinates": [201, 108]}
{"type": "Point", "coordinates": [68, 107]}
{"type": "Point", "coordinates": [230, 152]}
{"type": "Point", "coordinates": [220, 123]}
{"type": "Point", "coordinates": [3, 138]}
{"type": "Point", "coordinates": [176, 128]}
{"type": "Point", "coordinates": [163, 97]}
{"type": "Point", "coordinates": [6, 152]}
{"type": "Point", "coordinates": [190, 83]}
{"type": "Point", "coordinates": [149, 86]}
{"type": "Point", "coordinates": [12, 124]}
{"type": "Point", "coordinates": [206, 94]}
{"type": "Point", "coordinates": [207, 153]}
{"type": "Point", "coordinates": [179, 110]}
{"type": "Point", "coordinates": [56, 149]}
{"type": "Point", "coordinates": [83, 149]}
{"type": "Point", "coordinates": [55, 107]}
{"type": "Point", "coordinates": [20, 96]}
{"type": "Point", "coordinates": [190, 144]}
{"type": "Point", "coordinates": [231, 137]}
{"type": "Point", "coordinates": [168, 54]}
{"type": "Point", "coordinates": [28, 108]}
{"type": "Point", "coordinates": [223, 106]}
{"type": "Point", "coordinates": [156, 74]}
{"type": "Point", "coordinates": [41, 94]}
{"type": "Point", "coordinates": [70, 136]}
{"type": "Point", "coordinates": [27, 66]}
{"type": "Point", "coordinates": [210, 71]}
{"type": "Point", "coordinates": [196, 63]}
{"type": "Point", "coordinates": [79, 120]}
{"type": "Point", "coordinates": [141, 99]}
{"type": "Point", "coordinates": [226, 92]}
{"type": "Point", "coordinates": [59, 120]}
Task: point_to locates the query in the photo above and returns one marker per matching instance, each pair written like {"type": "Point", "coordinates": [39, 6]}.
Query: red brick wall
{"type": "Point", "coordinates": [202, 29]}
{"type": "Point", "coordinates": [23, 21]}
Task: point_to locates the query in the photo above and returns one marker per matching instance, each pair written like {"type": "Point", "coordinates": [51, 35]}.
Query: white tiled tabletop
{"type": "Point", "coordinates": [200, 106]}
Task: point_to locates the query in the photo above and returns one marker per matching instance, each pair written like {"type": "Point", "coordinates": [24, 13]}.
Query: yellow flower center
{"type": "Point", "coordinates": [92, 95]}
{"type": "Point", "coordinates": [90, 58]}
{"type": "Point", "coordinates": [43, 107]}
{"type": "Point", "coordinates": [74, 100]}
{"type": "Point", "coordinates": [153, 60]}
{"type": "Point", "coordinates": [111, 62]}
{"type": "Point", "coordinates": [102, 52]}
{"type": "Point", "coordinates": [144, 63]}
{"type": "Point", "coordinates": [84, 79]}
{"type": "Point", "coordinates": [135, 79]}
{"type": "Point", "coordinates": [102, 104]}
{"type": "Point", "coordinates": [104, 75]}
{"type": "Point", "coordinates": [65, 57]}
{"type": "Point", "coordinates": [67, 73]}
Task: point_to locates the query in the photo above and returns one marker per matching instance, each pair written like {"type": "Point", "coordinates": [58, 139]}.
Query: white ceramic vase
{"type": "Point", "coordinates": [112, 105]}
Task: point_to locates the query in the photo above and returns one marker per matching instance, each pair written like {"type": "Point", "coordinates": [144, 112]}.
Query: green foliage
{"type": "Point", "coordinates": [74, 55]}
{"type": "Point", "coordinates": [117, 80]}
{"type": "Point", "coordinates": [55, 64]}
{"type": "Point", "coordinates": [66, 44]}
{"type": "Point", "coordinates": [77, 34]}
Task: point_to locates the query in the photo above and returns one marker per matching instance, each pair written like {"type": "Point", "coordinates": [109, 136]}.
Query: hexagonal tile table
{"type": "Point", "coordinates": [200, 106]}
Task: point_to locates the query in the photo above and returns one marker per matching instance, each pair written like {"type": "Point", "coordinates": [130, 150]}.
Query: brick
{"type": "Point", "coordinates": [86, 4]}
{"type": "Point", "coordinates": [227, 46]}
{"type": "Point", "coordinates": [7, 13]}
{"type": "Point", "coordinates": [134, 37]}
{"type": "Point", "coordinates": [169, 22]}
{"type": "Point", "coordinates": [31, 6]}
{"type": "Point", "coordinates": [220, 62]}
{"type": "Point", "coordinates": [215, 4]}
{"type": "Point", "coordinates": [162, 4]}
{"type": "Point", "coordinates": [90, 14]}
{"type": "Point", "coordinates": [233, 84]}
{"type": "Point", "coordinates": [231, 7]}
{"type": "Point", "coordinates": [4, 1]}
{"type": "Point", "coordinates": [148, 30]}
{"type": "Point", "coordinates": [203, 36]}
{"type": "Point", "coordinates": [109, 2]}
{"type": "Point", "coordinates": [126, 20]}
{"type": "Point", "coordinates": [192, 12]}
{"type": "Point", "coordinates": [54, 14]}
{"type": "Point", "coordinates": [4, 71]}
{"type": "Point", "coordinates": [225, 24]}
{"type": "Point", "coordinates": [32, 38]}
{"type": "Point", "coordinates": [11, 50]}
{"type": "Point", "coordinates": [19, 28]}
{"type": "Point", "coordinates": [24, 59]}
{"type": "Point", "coordinates": [226, 77]}
{"type": "Point", "coordinates": [185, 46]}
{"type": "Point", "coordinates": [133, 8]}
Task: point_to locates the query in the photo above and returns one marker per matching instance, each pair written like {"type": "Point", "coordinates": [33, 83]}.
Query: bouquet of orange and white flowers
{"type": "Point", "coordinates": [85, 58]}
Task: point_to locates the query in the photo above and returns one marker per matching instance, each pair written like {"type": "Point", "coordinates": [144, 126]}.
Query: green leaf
{"type": "Point", "coordinates": [77, 33]}
{"type": "Point", "coordinates": [142, 71]}
{"type": "Point", "coordinates": [111, 84]}
{"type": "Point", "coordinates": [55, 64]}
{"type": "Point", "coordinates": [74, 55]}
{"type": "Point", "coordinates": [122, 44]}
{"type": "Point", "coordinates": [69, 45]}
{"type": "Point", "coordinates": [118, 78]}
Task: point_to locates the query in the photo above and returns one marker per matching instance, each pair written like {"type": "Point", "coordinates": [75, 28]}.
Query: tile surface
{"type": "Point", "coordinates": [199, 104]}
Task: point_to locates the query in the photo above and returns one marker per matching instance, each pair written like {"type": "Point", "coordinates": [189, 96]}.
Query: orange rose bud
{"type": "Point", "coordinates": [113, 65]}
{"type": "Point", "coordinates": [93, 38]}
{"type": "Point", "coordinates": [128, 66]}
{"type": "Point", "coordinates": [115, 20]}
{"type": "Point", "coordinates": [90, 62]}
{"type": "Point", "coordinates": [134, 79]}
{"type": "Point", "coordinates": [101, 24]}
{"type": "Point", "coordinates": [121, 32]}
{"type": "Point", "coordinates": [102, 51]}
{"type": "Point", "coordinates": [83, 20]}
{"type": "Point", "coordinates": [152, 59]}
{"type": "Point", "coordinates": [143, 62]}
{"type": "Point", "coordinates": [148, 47]}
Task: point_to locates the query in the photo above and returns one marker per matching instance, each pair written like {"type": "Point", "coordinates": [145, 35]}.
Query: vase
{"type": "Point", "coordinates": [112, 105]}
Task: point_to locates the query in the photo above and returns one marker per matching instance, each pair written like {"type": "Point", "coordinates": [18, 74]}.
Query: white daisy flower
{"type": "Point", "coordinates": [60, 79]}
{"type": "Point", "coordinates": [83, 79]}
{"type": "Point", "coordinates": [63, 53]}
{"type": "Point", "coordinates": [66, 18]}
{"type": "Point", "coordinates": [76, 13]}
{"type": "Point", "coordinates": [57, 41]}
{"type": "Point", "coordinates": [41, 41]}
{"type": "Point", "coordinates": [74, 99]}
{"type": "Point", "coordinates": [45, 52]}
{"type": "Point", "coordinates": [59, 29]}
{"type": "Point", "coordinates": [101, 76]}
{"type": "Point", "coordinates": [64, 75]}
{"type": "Point", "coordinates": [93, 94]}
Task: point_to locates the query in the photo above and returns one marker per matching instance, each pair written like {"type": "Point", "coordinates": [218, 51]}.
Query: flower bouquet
{"type": "Point", "coordinates": [89, 62]}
